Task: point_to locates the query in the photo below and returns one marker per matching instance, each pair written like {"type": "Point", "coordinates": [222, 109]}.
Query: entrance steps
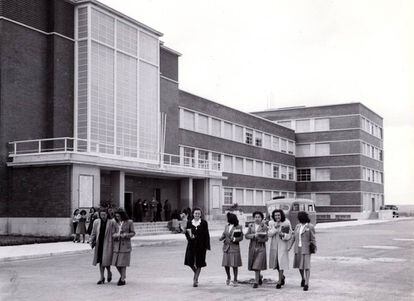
{"type": "Point", "coordinates": [151, 228]}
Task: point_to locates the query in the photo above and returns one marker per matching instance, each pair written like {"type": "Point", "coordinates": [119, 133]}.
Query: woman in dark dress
{"type": "Point", "coordinates": [93, 215]}
{"type": "Point", "coordinates": [198, 243]}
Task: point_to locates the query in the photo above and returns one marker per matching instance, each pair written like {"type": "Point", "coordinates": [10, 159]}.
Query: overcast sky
{"type": "Point", "coordinates": [255, 55]}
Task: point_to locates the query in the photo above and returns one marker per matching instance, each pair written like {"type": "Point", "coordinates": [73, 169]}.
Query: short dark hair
{"type": "Point", "coordinates": [102, 209]}
{"type": "Point", "coordinates": [83, 212]}
{"type": "Point", "coordinates": [303, 217]}
{"type": "Point", "coordinates": [232, 219]}
{"type": "Point", "coordinates": [282, 215]}
{"type": "Point", "coordinates": [197, 208]}
{"type": "Point", "coordinates": [259, 213]}
{"type": "Point", "coordinates": [92, 208]}
{"type": "Point", "coordinates": [74, 211]}
{"type": "Point", "coordinates": [123, 214]}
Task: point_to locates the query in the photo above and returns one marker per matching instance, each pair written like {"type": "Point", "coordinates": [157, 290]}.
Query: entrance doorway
{"type": "Point", "coordinates": [373, 204]}
{"type": "Point", "coordinates": [128, 204]}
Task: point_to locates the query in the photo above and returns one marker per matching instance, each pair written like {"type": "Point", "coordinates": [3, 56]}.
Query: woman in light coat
{"type": "Point", "coordinates": [280, 232]}
{"type": "Point", "coordinates": [122, 243]}
{"type": "Point", "coordinates": [101, 239]}
{"type": "Point", "coordinates": [304, 236]}
{"type": "Point", "coordinates": [257, 233]}
{"type": "Point", "coordinates": [231, 237]}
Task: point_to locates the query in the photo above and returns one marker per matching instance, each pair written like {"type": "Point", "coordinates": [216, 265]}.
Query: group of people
{"type": "Point", "coordinates": [151, 210]}
{"type": "Point", "coordinates": [278, 230]}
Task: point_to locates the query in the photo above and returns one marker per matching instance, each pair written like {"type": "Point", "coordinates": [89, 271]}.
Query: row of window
{"type": "Point", "coordinates": [313, 174]}
{"type": "Point", "coordinates": [239, 165]}
{"type": "Point", "coordinates": [372, 151]}
{"type": "Point", "coordinates": [208, 125]}
{"type": "Point", "coordinates": [306, 125]}
{"type": "Point", "coordinates": [320, 199]}
{"type": "Point", "coordinates": [372, 128]}
{"type": "Point", "coordinates": [313, 149]}
{"type": "Point", "coordinates": [243, 196]}
{"type": "Point", "coordinates": [372, 175]}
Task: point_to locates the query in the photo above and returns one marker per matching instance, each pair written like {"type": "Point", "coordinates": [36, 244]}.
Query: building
{"type": "Point", "coordinates": [339, 157]}
{"type": "Point", "coordinates": [91, 112]}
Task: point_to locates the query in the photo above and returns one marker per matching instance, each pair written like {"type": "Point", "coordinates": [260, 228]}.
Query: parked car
{"type": "Point", "coordinates": [394, 209]}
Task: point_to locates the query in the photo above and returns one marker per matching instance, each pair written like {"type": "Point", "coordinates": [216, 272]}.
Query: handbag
{"type": "Point", "coordinates": [312, 248]}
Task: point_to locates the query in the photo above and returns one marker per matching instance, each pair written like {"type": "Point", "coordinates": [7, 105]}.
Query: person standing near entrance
{"type": "Point", "coordinates": [138, 211]}
{"type": "Point", "coordinates": [159, 210]}
{"type": "Point", "coordinates": [101, 239]}
{"type": "Point", "coordinates": [198, 239]}
{"type": "Point", "coordinates": [153, 209]}
{"type": "Point", "coordinates": [122, 244]}
{"type": "Point", "coordinates": [167, 210]}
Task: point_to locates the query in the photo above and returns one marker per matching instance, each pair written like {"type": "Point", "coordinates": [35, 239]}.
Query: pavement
{"type": "Point", "coordinates": [43, 250]}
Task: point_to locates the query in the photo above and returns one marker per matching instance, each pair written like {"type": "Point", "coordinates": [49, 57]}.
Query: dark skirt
{"type": "Point", "coordinates": [195, 257]}
{"type": "Point", "coordinates": [301, 261]}
{"type": "Point", "coordinates": [257, 256]}
{"type": "Point", "coordinates": [232, 259]}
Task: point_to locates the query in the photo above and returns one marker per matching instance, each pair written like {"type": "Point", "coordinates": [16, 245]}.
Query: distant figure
{"type": "Point", "coordinates": [231, 237]}
{"type": "Point", "coordinates": [167, 210]}
{"type": "Point", "coordinates": [145, 207]}
{"type": "Point", "coordinates": [122, 244]}
{"type": "Point", "coordinates": [280, 232]}
{"type": "Point", "coordinates": [305, 245]}
{"type": "Point", "coordinates": [153, 210]}
{"type": "Point", "coordinates": [81, 228]}
{"type": "Point", "coordinates": [75, 221]}
{"type": "Point", "coordinates": [159, 209]}
{"type": "Point", "coordinates": [198, 239]}
{"type": "Point", "coordinates": [257, 233]}
{"type": "Point", "coordinates": [93, 215]}
{"type": "Point", "coordinates": [138, 211]}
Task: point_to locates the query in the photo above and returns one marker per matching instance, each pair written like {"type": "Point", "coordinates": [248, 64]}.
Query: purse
{"type": "Point", "coordinates": [312, 248]}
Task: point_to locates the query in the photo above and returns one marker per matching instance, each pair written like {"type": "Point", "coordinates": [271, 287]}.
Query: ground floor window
{"type": "Point", "coordinates": [228, 196]}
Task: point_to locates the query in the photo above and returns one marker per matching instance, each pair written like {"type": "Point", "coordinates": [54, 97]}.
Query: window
{"type": "Point", "coordinates": [285, 123]}
{"type": "Point", "coordinates": [203, 159]}
{"type": "Point", "coordinates": [276, 193]}
{"type": "Point", "coordinates": [188, 121]}
{"type": "Point", "coordinates": [202, 124]}
{"type": "Point", "coordinates": [266, 141]}
{"type": "Point", "coordinates": [249, 167]}
{"type": "Point", "coordinates": [268, 170]}
{"type": "Point", "coordinates": [238, 133]}
{"type": "Point", "coordinates": [303, 126]}
{"type": "Point", "coordinates": [239, 196]}
{"type": "Point", "coordinates": [303, 175]}
{"type": "Point", "coordinates": [322, 149]}
{"type": "Point", "coordinates": [283, 172]}
{"type": "Point", "coordinates": [249, 136]}
{"type": "Point", "coordinates": [258, 168]}
{"type": "Point", "coordinates": [259, 197]}
{"type": "Point", "coordinates": [322, 174]}
{"type": "Point", "coordinates": [228, 131]}
{"type": "Point", "coordinates": [275, 143]}
{"type": "Point", "coordinates": [216, 127]}
{"type": "Point", "coordinates": [380, 155]}
{"type": "Point", "coordinates": [238, 168]}
{"type": "Point", "coordinates": [228, 196]}
{"type": "Point", "coordinates": [283, 145]}
{"type": "Point", "coordinates": [189, 154]}
{"type": "Point", "coordinates": [304, 196]}
{"type": "Point", "coordinates": [322, 199]}
{"type": "Point", "coordinates": [291, 172]}
{"type": "Point", "coordinates": [258, 139]}
{"type": "Point", "coordinates": [380, 133]}
{"type": "Point", "coordinates": [268, 195]}
{"type": "Point", "coordinates": [291, 147]}
{"type": "Point", "coordinates": [291, 194]}
{"type": "Point", "coordinates": [276, 171]}
{"type": "Point", "coordinates": [303, 150]}
{"type": "Point", "coordinates": [216, 161]}
{"type": "Point", "coordinates": [249, 197]}
{"type": "Point", "coordinates": [228, 164]}
{"type": "Point", "coordinates": [322, 124]}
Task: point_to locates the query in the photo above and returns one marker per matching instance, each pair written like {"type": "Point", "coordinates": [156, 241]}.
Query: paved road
{"type": "Point", "coordinates": [371, 262]}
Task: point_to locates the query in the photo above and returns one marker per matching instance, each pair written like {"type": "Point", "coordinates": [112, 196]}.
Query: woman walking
{"type": "Point", "coordinates": [93, 215]}
{"type": "Point", "coordinates": [231, 237]}
{"type": "Point", "coordinates": [75, 221]}
{"type": "Point", "coordinates": [198, 239]}
{"type": "Point", "coordinates": [101, 240]}
{"type": "Point", "coordinates": [280, 233]}
{"type": "Point", "coordinates": [305, 244]}
{"type": "Point", "coordinates": [257, 233]}
{"type": "Point", "coordinates": [122, 244]}
{"type": "Point", "coordinates": [81, 228]}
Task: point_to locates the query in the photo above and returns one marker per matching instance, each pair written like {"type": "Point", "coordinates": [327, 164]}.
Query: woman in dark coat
{"type": "Point", "coordinates": [198, 243]}
{"type": "Point", "coordinates": [101, 240]}
{"type": "Point", "coordinates": [93, 215]}
{"type": "Point", "coordinates": [231, 237]}
{"type": "Point", "coordinates": [257, 233]}
{"type": "Point", "coordinates": [122, 243]}
{"type": "Point", "coordinates": [303, 238]}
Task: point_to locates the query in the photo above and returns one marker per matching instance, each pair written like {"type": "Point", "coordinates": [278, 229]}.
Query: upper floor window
{"type": "Point", "coordinates": [238, 133]}
{"type": "Point", "coordinates": [228, 131]}
{"type": "Point", "coordinates": [303, 150]}
{"type": "Point", "coordinates": [258, 139]}
{"type": "Point", "coordinates": [322, 149]}
{"type": "Point", "coordinates": [249, 136]}
{"type": "Point", "coordinates": [322, 124]}
{"type": "Point", "coordinates": [323, 174]}
{"type": "Point", "coordinates": [283, 145]}
{"type": "Point", "coordinates": [203, 124]}
{"type": "Point", "coordinates": [276, 171]}
{"type": "Point", "coordinates": [303, 126]}
{"type": "Point", "coordinates": [188, 120]}
{"type": "Point", "coordinates": [228, 196]}
{"type": "Point", "coordinates": [303, 175]}
{"type": "Point", "coordinates": [216, 127]}
{"type": "Point", "coordinates": [285, 123]}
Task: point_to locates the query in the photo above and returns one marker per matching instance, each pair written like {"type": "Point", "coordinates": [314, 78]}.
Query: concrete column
{"type": "Point", "coordinates": [187, 192]}
{"type": "Point", "coordinates": [118, 187]}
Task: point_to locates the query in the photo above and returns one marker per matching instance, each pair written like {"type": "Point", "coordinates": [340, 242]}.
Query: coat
{"type": "Point", "coordinates": [278, 252]}
{"type": "Point", "coordinates": [231, 245]}
{"type": "Point", "coordinates": [307, 236]}
{"type": "Point", "coordinates": [257, 248]}
{"type": "Point", "coordinates": [195, 254]}
{"type": "Point", "coordinates": [122, 245]}
{"type": "Point", "coordinates": [107, 242]}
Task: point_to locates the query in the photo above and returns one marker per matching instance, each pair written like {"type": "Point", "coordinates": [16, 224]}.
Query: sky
{"type": "Point", "coordinates": [256, 55]}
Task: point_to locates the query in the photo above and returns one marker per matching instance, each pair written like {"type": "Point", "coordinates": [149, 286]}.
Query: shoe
{"type": "Point", "coordinates": [102, 281]}
{"type": "Point", "coordinates": [227, 281]}
{"type": "Point", "coordinates": [283, 281]}
{"type": "Point", "coordinates": [121, 282]}
{"type": "Point", "coordinates": [305, 287]}
{"type": "Point", "coordinates": [260, 280]}
{"type": "Point", "coordinates": [195, 284]}
{"type": "Point", "coordinates": [302, 283]}
{"type": "Point", "coordinates": [255, 285]}
{"type": "Point", "coordinates": [109, 277]}
{"type": "Point", "coordinates": [235, 283]}
{"type": "Point", "coordinates": [278, 286]}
